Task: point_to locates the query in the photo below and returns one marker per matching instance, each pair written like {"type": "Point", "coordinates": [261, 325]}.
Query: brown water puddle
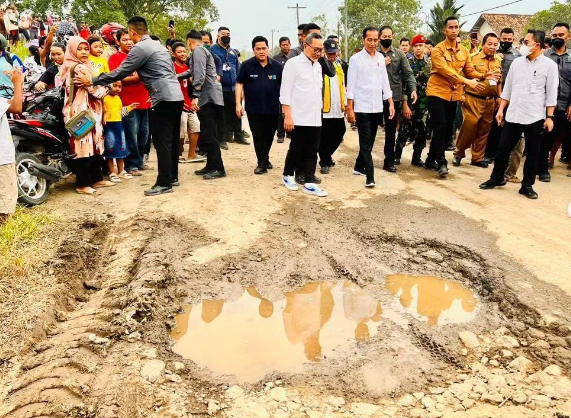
{"type": "Point", "coordinates": [433, 299]}
{"type": "Point", "coordinates": [251, 336]}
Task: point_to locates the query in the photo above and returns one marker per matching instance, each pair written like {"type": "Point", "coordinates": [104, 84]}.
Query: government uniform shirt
{"type": "Point", "coordinates": [261, 85]}
{"type": "Point", "coordinates": [302, 83]}
{"type": "Point", "coordinates": [368, 82]}
{"type": "Point", "coordinates": [531, 86]}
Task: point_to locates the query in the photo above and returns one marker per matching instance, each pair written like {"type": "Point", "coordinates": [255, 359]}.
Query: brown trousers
{"type": "Point", "coordinates": [478, 117]}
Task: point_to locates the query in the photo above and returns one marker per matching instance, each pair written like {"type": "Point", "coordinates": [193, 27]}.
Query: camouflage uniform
{"type": "Point", "coordinates": [414, 129]}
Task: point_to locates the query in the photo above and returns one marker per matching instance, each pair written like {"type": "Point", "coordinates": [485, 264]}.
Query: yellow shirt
{"type": "Point", "coordinates": [112, 106]}
{"type": "Point", "coordinates": [483, 63]}
{"type": "Point", "coordinates": [99, 65]}
{"type": "Point", "coordinates": [451, 64]}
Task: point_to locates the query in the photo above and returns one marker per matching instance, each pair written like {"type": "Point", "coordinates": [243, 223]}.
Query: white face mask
{"type": "Point", "coordinates": [525, 50]}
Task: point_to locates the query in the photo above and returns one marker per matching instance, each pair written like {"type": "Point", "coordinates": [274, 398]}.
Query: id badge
{"type": "Point", "coordinates": [493, 82]}
{"type": "Point", "coordinates": [226, 67]}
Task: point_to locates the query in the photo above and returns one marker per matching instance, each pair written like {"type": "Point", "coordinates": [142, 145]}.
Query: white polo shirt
{"type": "Point", "coordinates": [301, 90]}
{"type": "Point", "coordinates": [368, 82]}
{"type": "Point", "coordinates": [530, 87]}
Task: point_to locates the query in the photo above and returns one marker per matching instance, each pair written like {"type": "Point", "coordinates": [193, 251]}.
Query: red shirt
{"type": "Point", "coordinates": [178, 68]}
{"type": "Point", "coordinates": [131, 92]}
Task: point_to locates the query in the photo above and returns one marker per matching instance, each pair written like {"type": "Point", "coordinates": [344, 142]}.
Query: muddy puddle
{"type": "Point", "coordinates": [251, 336]}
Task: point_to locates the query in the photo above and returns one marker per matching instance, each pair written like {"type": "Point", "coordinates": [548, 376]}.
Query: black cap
{"type": "Point", "coordinates": [331, 46]}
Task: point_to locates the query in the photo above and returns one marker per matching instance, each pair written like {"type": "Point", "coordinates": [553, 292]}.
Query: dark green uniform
{"type": "Point", "coordinates": [414, 129]}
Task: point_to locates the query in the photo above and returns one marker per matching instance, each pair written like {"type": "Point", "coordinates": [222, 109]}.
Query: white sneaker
{"type": "Point", "coordinates": [370, 183]}
{"type": "Point", "coordinates": [312, 188]}
{"type": "Point", "coordinates": [289, 183]}
{"type": "Point", "coordinates": [358, 173]}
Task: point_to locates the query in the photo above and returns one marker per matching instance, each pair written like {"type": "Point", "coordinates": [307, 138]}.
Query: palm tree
{"type": "Point", "coordinates": [438, 14]}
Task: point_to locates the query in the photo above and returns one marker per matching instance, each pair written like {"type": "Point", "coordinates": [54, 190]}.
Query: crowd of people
{"type": "Point", "coordinates": [137, 90]}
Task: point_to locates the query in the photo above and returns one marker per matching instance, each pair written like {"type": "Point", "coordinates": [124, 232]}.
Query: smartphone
{"type": "Point", "coordinates": [171, 23]}
{"type": "Point", "coordinates": [474, 35]}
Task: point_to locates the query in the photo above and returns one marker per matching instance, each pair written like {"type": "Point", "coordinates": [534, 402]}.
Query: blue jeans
{"type": "Point", "coordinates": [136, 126]}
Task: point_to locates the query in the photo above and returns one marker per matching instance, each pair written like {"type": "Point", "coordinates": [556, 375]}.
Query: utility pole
{"type": "Point", "coordinates": [297, 7]}
{"type": "Point", "coordinates": [274, 31]}
{"type": "Point", "coordinates": [346, 40]}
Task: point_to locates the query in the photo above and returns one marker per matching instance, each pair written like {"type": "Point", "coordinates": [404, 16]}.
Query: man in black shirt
{"type": "Point", "coordinates": [260, 79]}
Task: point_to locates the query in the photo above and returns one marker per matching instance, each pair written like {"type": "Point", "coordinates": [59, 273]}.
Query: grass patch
{"type": "Point", "coordinates": [19, 236]}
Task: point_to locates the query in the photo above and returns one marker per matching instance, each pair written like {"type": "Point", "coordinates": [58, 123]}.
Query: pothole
{"type": "Point", "coordinates": [250, 336]}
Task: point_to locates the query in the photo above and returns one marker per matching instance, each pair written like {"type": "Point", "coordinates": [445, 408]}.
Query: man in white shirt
{"type": "Point", "coordinates": [367, 87]}
{"type": "Point", "coordinates": [531, 92]}
{"type": "Point", "coordinates": [8, 175]}
{"type": "Point", "coordinates": [334, 102]}
{"type": "Point", "coordinates": [301, 99]}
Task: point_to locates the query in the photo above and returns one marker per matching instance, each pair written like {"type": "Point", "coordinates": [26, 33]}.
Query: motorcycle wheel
{"type": "Point", "coordinates": [32, 190]}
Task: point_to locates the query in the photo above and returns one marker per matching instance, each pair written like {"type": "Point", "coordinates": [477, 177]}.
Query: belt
{"type": "Point", "coordinates": [480, 97]}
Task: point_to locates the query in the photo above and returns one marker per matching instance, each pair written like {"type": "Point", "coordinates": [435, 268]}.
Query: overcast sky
{"type": "Point", "coordinates": [248, 18]}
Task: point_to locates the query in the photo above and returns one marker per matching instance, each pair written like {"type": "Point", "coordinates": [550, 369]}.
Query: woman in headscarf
{"type": "Point", "coordinates": [88, 150]}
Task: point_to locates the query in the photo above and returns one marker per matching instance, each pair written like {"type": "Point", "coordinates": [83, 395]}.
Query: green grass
{"type": "Point", "coordinates": [18, 236]}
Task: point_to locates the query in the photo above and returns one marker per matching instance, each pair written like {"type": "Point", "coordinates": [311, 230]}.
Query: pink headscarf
{"type": "Point", "coordinates": [70, 58]}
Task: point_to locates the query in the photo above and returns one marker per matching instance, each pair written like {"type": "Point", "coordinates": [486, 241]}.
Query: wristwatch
{"type": "Point", "coordinates": [549, 117]}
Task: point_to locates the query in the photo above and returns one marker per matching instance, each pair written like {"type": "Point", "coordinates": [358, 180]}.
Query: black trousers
{"type": "Point", "coordinates": [511, 134]}
{"type": "Point", "coordinates": [165, 125]}
{"type": "Point", "coordinates": [561, 129]}
{"type": "Point", "coordinates": [367, 126]}
{"type": "Point", "coordinates": [281, 128]}
{"type": "Point", "coordinates": [412, 130]}
{"type": "Point", "coordinates": [263, 128]}
{"type": "Point", "coordinates": [442, 116]}
{"type": "Point", "coordinates": [148, 145]}
{"type": "Point", "coordinates": [209, 116]}
{"type": "Point", "coordinates": [302, 153]}
{"type": "Point", "coordinates": [232, 126]}
{"type": "Point", "coordinates": [87, 170]}
{"type": "Point", "coordinates": [390, 131]}
{"type": "Point", "coordinates": [494, 138]}
{"type": "Point", "coordinates": [332, 132]}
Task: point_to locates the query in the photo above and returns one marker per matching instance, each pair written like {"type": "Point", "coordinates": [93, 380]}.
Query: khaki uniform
{"type": "Point", "coordinates": [478, 110]}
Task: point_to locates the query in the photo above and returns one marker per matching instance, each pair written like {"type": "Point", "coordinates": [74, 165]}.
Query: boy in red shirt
{"type": "Point", "coordinates": [189, 124]}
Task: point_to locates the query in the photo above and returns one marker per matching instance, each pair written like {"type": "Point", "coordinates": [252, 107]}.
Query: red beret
{"type": "Point", "coordinates": [418, 39]}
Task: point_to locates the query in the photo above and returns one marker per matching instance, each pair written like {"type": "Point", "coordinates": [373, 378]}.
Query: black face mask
{"type": "Point", "coordinates": [386, 43]}
{"type": "Point", "coordinates": [506, 45]}
{"type": "Point", "coordinates": [225, 39]}
{"type": "Point", "coordinates": [558, 43]}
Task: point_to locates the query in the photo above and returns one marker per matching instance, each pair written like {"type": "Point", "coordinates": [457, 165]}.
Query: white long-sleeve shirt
{"type": "Point", "coordinates": [301, 90]}
{"type": "Point", "coordinates": [368, 82]}
{"type": "Point", "coordinates": [530, 87]}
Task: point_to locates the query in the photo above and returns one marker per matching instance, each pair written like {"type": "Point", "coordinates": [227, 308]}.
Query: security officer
{"type": "Point", "coordinates": [413, 126]}
{"type": "Point", "coordinates": [561, 55]}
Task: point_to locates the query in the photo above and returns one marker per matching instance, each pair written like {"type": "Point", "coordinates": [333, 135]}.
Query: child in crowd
{"type": "Point", "coordinates": [189, 124]}
{"type": "Point", "coordinates": [98, 63]}
{"type": "Point", "coordinates": [115, 144]}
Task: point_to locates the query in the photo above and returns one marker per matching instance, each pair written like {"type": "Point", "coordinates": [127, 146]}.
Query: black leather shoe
{"type": "Point", "coordinates": [456, 161]}
{"type": "Point", "coordinates": [157, 190]}
{"type": "Point", "coordinates": [544, 177]}
{"type": "Point", "coordinates": [390, 168]}
{"type": "Point", "coordinates": [300, 179]}
{"type": "Point", "coordinates": [260, 170]}
{"type": "Point", "coordinates": [431, 165]}
{"type": "Point", "coordinates": [241, 141]}
{"type": "Point", "coordinates": [224, 145]}
{"type": "Point", "coordinates": [269, 165]}
{"type": "Point", "coordinates": [202, 171]}
{"type": "Point", "coordinates": [280, 140]}
{"type": "Point", "coordinates": [450, 148]}
{"type": "Point", "coordinates": [442, 171]}
{"type": "Point", "coordinates": [489, 160]}
{"type": "Point", "coordinates": [175, 183]}
{"type": "Point", "coordinates": [417, 162]}
{"type": "Point", "coordinates": [314, 180]}
{"type": "Point", "coordinates": [397, 161]}
{"type": "Point", "coordinates": [481, 164]}
{"type": "Point", "coordinates": [245, 134]}
{"type": "Point", "coordinates": [490, 184]}
{"type": "Point", "coordinates": [215, 174]}
{"type": "Point", "coordinates": [325, 169]}
{"type": "Point", "coordinates": [528, 192]}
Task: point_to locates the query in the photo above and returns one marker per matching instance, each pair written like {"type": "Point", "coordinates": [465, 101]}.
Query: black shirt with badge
{"type": "Point", "coordinates": [261, 85]}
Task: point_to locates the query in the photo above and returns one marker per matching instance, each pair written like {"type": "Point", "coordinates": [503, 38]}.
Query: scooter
{"type": "Point", "coordinates": [42, 147]}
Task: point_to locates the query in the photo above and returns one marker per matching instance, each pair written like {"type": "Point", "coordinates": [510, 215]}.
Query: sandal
{"type": "Point", "coordinates": [103, 183]}
{"type": "Point", "coordinates": [114, 178]}
{"type": "Point", "coordinates": [124, 175]}
{"type": "Point", "coordinates": [181, 160]}
{"type": "Point", "coordinates": [147, 167]}
{"type": "Point", "coordinates": [135, 173]}
{"type": "Point", "coordinates": [89, 191]}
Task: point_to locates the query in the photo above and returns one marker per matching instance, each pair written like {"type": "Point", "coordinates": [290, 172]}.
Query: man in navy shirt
{"type": "Point", "coordinates": [260, 79]}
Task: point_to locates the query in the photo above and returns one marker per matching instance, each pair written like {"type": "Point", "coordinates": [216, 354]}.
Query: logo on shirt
{"type": "Point", "coordinates": [272, 77]}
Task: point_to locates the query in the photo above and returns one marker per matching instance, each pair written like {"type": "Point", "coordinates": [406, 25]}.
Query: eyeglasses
{"type": "Point", "coordinates": [316, 50]}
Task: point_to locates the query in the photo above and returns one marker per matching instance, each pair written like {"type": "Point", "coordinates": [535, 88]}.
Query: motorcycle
{"type": "Point", "coordinates": [42, 146]}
